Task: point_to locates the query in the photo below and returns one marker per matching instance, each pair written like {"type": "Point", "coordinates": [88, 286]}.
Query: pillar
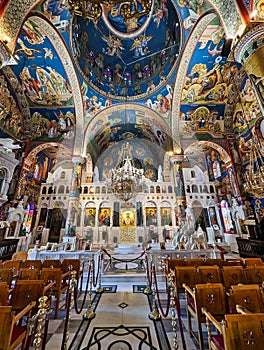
{"type": "Point", "coordinates": [249, 51]}
{"type": "Point", "coordinates": [74, 197]}
{"type": "Point", "coordinates": [176, 161]}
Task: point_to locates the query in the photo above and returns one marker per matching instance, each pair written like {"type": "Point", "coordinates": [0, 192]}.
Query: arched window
{"type": "Point", "coordinates": [170, 189]}
{"type": "Point", "coordinates": [194, 189]}
{"type": "Point", "coordinates": [151, 189]}
{"type": "Point", "coordinates": [2, 180]}
{"type": "Point", "coordinates": [63, 174]}
{"type": "Point", "coordinates": [50, 190]}
{"type": "Point", "coordinates": [61, 189]}
{"type": "Point", "coordinates": [97, 189]}
{"type": "Point", "coordinates": [44, 190]}
{"type": "Point", "coordinates": [192, 173]}
{"type": "Point", "coordinates": [205, 189]}
{"type": "Point", "coordinates": [158, 189]}
{"type": "Point", "coordinates": [85, 190]}
{"type": "Point", "coordinates": [103, 189]}
{"type": "Point", "coordinates": [211, 189]}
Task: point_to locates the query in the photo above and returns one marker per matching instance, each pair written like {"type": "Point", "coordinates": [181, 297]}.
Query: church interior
{"type": "Point", "coordinates": [132, 163]}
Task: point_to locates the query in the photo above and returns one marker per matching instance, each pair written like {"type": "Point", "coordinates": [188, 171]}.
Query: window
{"type": "Point", "coordinates": [192, 173]}
{"type": "Point", "coordinates": [194, 189]}
{"type": "Point", "coordinates": [61, 189]}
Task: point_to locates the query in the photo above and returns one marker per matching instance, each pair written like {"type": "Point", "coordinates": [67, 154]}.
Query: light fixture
{"type": "Point", "coordinates": [125, 180]}
{"type": "Point", "coordinates": [254, 174]}
{"type": "Point", "coordinates": [93, 9]}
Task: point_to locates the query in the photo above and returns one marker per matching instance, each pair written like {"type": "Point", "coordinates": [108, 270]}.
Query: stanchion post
{"type": "Point", "coordinates": [68, 312]}
{"type": "Point", "coordinates": [89, 313]}
{"type": "Point", "coordinates": [147, 289]}
{"type": "Point", "coordinates": [154, 314]}
{"type": "Point", "coordinates": [42, 309]}
{"type": "Point", "coordinates": [100, 289]}
{"type": "Point", "coordinates": [173, 311]}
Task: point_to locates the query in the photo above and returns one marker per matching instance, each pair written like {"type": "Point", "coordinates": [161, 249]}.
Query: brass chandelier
{"type": "Point", "coordinates": [93, 9]}
{"type": "Point", "coordinates": [125, 180]}
{"type": "Point", "coordinates": [254, 174]}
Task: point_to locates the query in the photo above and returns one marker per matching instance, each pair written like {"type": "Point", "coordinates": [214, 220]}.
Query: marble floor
{"type": "Point", "coordinates": [123, 319]}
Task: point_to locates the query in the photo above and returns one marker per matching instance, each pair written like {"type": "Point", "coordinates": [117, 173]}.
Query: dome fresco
{"type": "Point", "coordinates": [127, 59]}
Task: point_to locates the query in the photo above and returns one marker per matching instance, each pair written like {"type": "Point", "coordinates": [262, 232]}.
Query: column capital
{"type": "Point", "coordinates": [78, 160]}
{"type": "Point", "coordinates": [249, 41]}
{"type": "Point", "coordinates": [177, 158]}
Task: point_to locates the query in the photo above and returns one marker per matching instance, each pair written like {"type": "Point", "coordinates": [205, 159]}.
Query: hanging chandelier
{"type": "Point", "coordinates": [93, 9]}
{"type": "Point", "coordinates": [254, 174]}
{"type": "Point", "coordinates": [125, 180]}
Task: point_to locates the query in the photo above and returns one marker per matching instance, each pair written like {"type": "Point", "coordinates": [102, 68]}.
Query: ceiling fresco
{"type": "Point", "coordinates": [131, 122]}
{"type": "Point", "coordinates": [116, 63]}
{"type": "Point", "coordinates": [127, 59]}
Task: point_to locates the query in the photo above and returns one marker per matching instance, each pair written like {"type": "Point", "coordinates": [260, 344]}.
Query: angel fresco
{"type": "Point", "coordinates": [161, 12]}
{"type": "Point", "coordinates": [140, 45]}
{"type": "Point", "coordinates": [114, 45]}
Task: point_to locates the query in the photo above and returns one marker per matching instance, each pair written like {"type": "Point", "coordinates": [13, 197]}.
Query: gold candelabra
{"type": "Point", "coordinates": [254, 174]}
{"type": "Point", "coordinates": [125, 180]}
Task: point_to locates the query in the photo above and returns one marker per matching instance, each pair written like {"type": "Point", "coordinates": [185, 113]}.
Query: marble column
{"type": "Point", "coordinates": [176, 161]}
{"type": "Point", "coordinates": [74, 197]}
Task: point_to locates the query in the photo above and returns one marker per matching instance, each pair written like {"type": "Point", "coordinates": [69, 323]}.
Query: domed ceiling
{"type": "Point", "coordinates": [126, 58]}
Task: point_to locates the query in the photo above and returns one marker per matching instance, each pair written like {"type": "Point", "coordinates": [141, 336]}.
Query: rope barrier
{"type": "Point", "coordinates": [85, 293]}
{"type": "Point", "coordinates": [164, 314]}
{"type": "Point", "coordinates": [149, 275]}
{"type": "Point", "coordinates": [95, 279]}
{"type": "Point", "coordinates": [123, 260]}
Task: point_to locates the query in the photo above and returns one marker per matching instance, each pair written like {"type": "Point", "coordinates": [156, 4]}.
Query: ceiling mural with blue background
{"type": "Point", "coordinates": [118, 63]}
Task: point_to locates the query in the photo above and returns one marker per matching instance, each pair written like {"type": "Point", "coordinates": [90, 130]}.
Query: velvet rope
{"type": "Point", "coordinates": [85, 293]}
{"type": "Point", "coordinates": [67, 317]}
{"type": "Point", "coordinates": [95, 279]}
{"type": "Point", "coordinates": [123, 260]}
{"type": "Point", "coordinates": [164, 314]}
{"type": "Point", "coordinates": [149, 275]}
{"type": "Point", "coordinates": [178, 310]}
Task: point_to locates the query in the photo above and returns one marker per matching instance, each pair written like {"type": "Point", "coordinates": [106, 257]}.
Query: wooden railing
{"type": "Point", "coordinates": [7, 248]}
{"type": "Point", "coordinates": [250, 248]}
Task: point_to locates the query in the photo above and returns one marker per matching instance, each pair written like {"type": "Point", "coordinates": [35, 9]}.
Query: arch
{"type": "Point", "coordinates": [40, 148]}
{"type": "Point", "coordinates": [61, 189]}
{"type": "Point", "coordinates": [148, 114]}
{"type": "Point", "coordinates": [199, 145]}
{"type": "Point", "coordinates": [190, 46]}
{"type": "Point", "coordinates": [195, 189]}
{"type": "Point", "coordinates": [3, 179]}
{"type": "Point", "coordinates": [65, 57]}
